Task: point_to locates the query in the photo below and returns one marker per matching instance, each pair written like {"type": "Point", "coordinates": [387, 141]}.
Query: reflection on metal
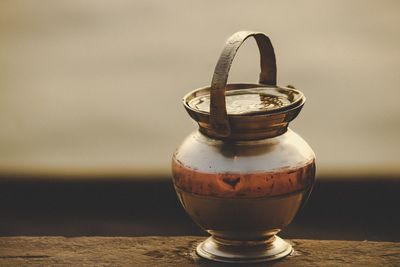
{"type": "Point", "coordinates": [244, 175]}
{"type": "Point", "coordinates": [256, 100]}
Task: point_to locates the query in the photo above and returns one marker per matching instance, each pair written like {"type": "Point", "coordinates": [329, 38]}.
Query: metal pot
{"type": "Point", "coordinates": [244, 174]}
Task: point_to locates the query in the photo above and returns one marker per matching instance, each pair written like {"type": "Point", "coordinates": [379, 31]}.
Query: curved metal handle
{"type": "Point", "coordinates": [218, 114]}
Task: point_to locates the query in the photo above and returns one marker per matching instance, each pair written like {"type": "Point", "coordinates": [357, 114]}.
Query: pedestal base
{"type": "Point", "coordinates": [243, 251]}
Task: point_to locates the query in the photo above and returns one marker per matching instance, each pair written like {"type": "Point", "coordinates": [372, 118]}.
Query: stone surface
{"type": "Point", "coordinates": [178, 251]}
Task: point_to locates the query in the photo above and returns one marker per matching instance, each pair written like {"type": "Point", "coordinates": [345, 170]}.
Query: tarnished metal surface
{"type": "Point", "coordinates": [243, 229]}
{"type": "Point", "coordinates": [242, 219]}
{"type": "Point", "coordinates": [244, 175]}
{"type": "Point", "coordinates": [268, 167]}
{"type": "Point", "coordinates": [244, 185]}
{"type": "Point", "coordinates": [258, 100]}
{"type": "Point", "coordinates": [218, 116]}
{"type": "Point", "coordinates": [247, 126]}
{"type": "Point", "coordinates": [227, 251]}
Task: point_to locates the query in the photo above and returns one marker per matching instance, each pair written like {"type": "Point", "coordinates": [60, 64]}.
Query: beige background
{"type": "Point", "coordinates": [94, 87]}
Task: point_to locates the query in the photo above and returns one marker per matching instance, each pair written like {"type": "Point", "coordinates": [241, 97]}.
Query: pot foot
{"type": "Point", "coordinates": [243, 251]}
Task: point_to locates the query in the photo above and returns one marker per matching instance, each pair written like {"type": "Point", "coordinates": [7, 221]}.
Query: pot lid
{"type": "Point", "coordinates": [261, 100]}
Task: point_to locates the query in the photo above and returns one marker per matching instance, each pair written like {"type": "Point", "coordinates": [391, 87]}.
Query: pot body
{"type": "Point", "coordinates": [243, 191]}
{"type": "Point", "coordinates": [244, 175]}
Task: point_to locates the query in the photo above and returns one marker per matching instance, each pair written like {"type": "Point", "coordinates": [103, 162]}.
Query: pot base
{"type": "Point", "coordinates": [243, 251]}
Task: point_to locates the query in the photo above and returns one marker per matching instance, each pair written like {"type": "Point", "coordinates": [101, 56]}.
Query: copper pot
{"type": "Point", "coordinates": [244, 174]}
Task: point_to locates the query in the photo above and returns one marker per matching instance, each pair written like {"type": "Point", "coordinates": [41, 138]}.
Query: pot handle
{"type": "Point", "coordinates": [218, 115]}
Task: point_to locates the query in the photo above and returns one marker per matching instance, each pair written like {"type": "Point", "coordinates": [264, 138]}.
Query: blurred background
{"type": "Point", "coordinates": [91, 112]}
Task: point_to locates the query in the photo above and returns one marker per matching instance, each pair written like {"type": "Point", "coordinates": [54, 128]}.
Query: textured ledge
{"type": "Point", "coordinates": [178, 251]}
